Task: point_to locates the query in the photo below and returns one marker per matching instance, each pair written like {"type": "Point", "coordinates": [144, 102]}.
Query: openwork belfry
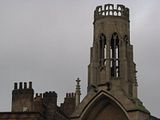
{"type": "Point", "coordinates": [112, 83]}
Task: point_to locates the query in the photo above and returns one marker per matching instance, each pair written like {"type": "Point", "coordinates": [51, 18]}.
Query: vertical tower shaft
{"type": "Point", "coordinates": [78, 92]}
{"type": "Point", "coordinates": [111, 63]}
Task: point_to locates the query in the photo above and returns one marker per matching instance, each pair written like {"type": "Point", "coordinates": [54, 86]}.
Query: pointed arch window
{"type": "Point", "coordinates": [102, 51]}
{"type": "Point", "coordinates": [114, 56]}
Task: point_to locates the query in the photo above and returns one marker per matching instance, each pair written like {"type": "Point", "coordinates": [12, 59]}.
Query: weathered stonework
{"type": "Point", "coordinates": [112, 83]}
{"type": "Point", "coordinates": [112, 71]}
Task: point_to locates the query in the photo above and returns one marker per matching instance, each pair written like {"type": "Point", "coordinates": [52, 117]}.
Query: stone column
{"type": "Point", "coordinates": [78, 92]}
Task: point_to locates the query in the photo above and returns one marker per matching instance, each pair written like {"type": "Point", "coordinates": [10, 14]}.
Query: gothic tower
{"type": "Point", "coordinates": [111, 65]}
{"type": "Point", "coordinates": [112, 83]}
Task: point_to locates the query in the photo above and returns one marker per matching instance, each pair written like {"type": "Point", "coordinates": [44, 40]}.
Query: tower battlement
{"type": "Point", "coordinates": [111, 10]}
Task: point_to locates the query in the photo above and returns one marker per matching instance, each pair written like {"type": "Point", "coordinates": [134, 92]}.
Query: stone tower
{"type": "Point", "coordinates": [22, 97]}
{"type": "Point", "coordinates": [111, 63]}
{"type": "Point", "coordinates": [112, 84]}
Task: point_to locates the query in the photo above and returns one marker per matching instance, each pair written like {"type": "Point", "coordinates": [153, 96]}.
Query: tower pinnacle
{"type": "Point", "coordinates": [78, 91]}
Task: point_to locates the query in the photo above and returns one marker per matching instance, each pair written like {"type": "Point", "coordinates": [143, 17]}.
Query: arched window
{"type": "Point", "coordinates": [114, 55]}
{"type": "Point", "coordinates": [102, 54]}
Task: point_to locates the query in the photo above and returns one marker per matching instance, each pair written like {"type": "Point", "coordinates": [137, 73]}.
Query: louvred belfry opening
{"type": "Point", "coordinates": [102, 44]}
{"type": "Point", "coordinates": [114, 55]}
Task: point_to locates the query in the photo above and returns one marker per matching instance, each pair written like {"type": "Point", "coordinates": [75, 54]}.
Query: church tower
{"type": "Point", "coordinates": [111, 65]}
{"type": "Point", "coordinates": [112, 83]}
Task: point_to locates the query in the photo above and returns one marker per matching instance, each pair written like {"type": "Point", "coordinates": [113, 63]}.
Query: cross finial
{"type": "Point", "coordinates": [78, 91]}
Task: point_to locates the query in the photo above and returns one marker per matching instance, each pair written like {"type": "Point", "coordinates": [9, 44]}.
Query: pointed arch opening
{"type": "Point", "coordinates": [102, 49]}
{"type": "Point", "coordinates": [114, 56]}
{"type": "Point", "coordinates": [105, 107]}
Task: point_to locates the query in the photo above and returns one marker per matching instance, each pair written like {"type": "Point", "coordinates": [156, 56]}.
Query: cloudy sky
{"type": "Point", "coordinates": [48, 41]}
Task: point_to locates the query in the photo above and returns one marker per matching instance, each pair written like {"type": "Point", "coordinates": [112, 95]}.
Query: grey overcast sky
{"type": "Point", "coordinates": [48, 42]}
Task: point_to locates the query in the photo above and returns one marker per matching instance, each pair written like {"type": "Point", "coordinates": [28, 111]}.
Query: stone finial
{"type": "Point", "coordinates": [78, 91]}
